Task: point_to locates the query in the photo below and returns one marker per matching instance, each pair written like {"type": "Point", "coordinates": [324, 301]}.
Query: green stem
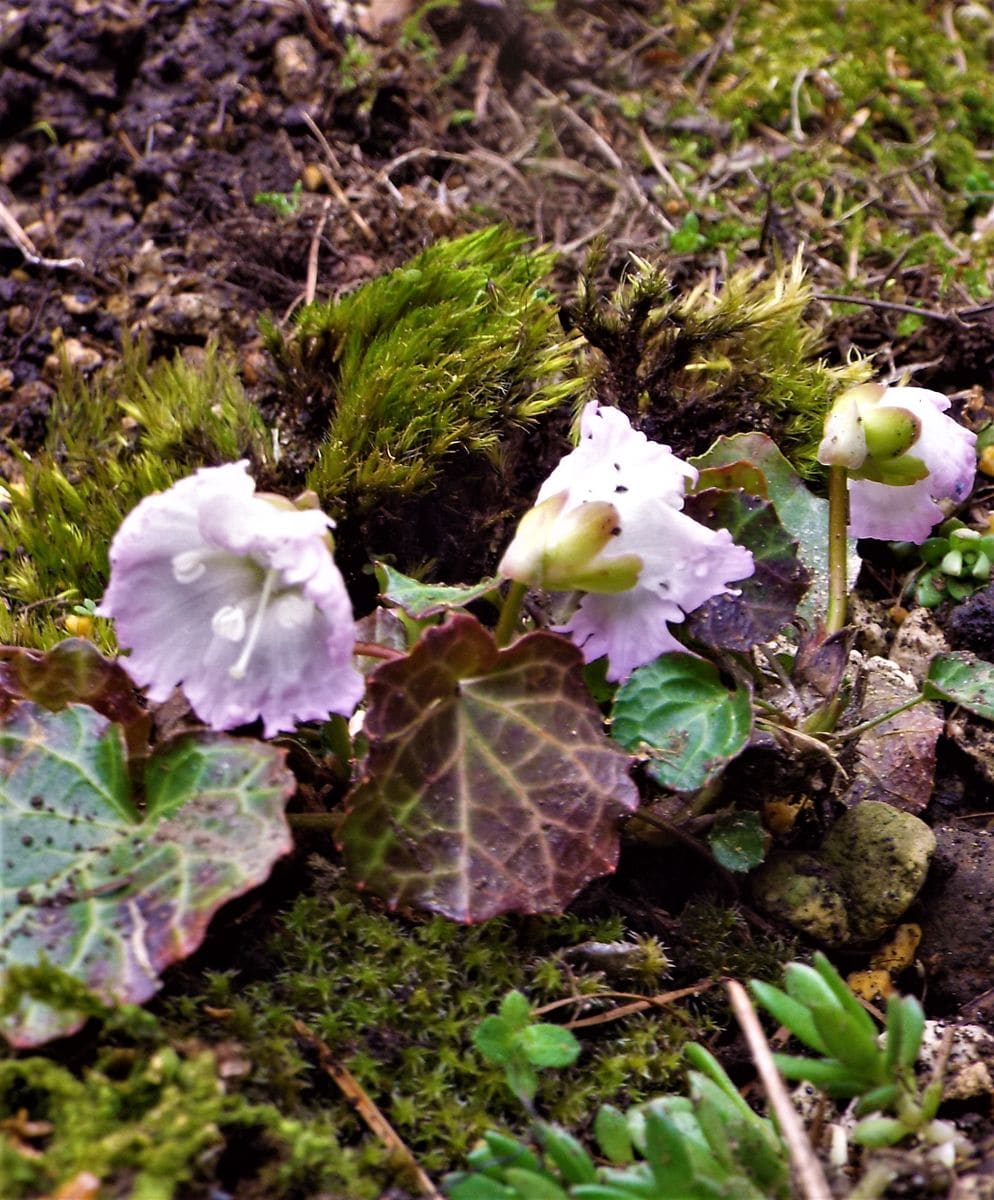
{"type": "Point", "coordinates": [856, 730]}
{"type": "Point", "coordinates": [509, 612]}
{"type": "Point", "coordinates": [838, 517]}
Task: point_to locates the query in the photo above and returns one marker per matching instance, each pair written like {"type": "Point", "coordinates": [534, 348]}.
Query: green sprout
{"type": "Point", "coordinates": [284, 204]}
{"type": "Point", "coordinates": [821, 1011]}
{"type": "Point", "coordinates": [513, 1041]}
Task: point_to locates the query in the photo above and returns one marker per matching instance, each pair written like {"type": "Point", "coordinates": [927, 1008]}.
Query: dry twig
{"type": "Point", "coordinates": [362, 1104]}
{"type": "Point", "coordinates": [808, 1174]}
{"type": "Point", "coordinates": [28, 248]}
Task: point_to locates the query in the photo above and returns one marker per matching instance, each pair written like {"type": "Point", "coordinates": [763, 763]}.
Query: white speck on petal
{"type": "Point", "coordinates": [229, 623]}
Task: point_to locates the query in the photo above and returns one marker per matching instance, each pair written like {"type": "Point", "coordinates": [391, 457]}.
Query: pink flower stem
{"type": "Point", "coordinates": [838, 517]}
{"type": "Point", "coordinates": [509, 613]}
{"type": "Point", "coordinates": [375, 650]}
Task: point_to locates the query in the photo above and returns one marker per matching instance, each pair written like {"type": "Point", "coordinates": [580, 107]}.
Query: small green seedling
{"type": "Point", "coordinates": [513, 1041]}
{"type": "Point", "coordinates": [821, 1011]}
{"type": "Point", "coordinates": [285, 204]}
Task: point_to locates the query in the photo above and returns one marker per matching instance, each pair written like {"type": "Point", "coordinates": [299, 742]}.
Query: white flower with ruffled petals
{"type": "Point", "coordinates": [236, 599]}
{"type": "Point", "coordinates": [607, 522]}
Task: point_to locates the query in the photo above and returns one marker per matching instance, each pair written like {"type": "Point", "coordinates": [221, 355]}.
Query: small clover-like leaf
{"type": "Point", "coordinates": [758, 607]}
{"type": "Point", "coordinates": [546, 1045]}
{"type": "Point", "coordinates": [108, 894]}
{"type": "Point", "coordinates": [515, 1010]}
{"type": "Point", "coordinates": [678, 711]}
{"type": "Point", "coordinates": [494, 1038]}
{"type": "Point", "coordinates": [803, 515]}
{"type": "Point", "coordinates": [420, 600]}
{"type": "Point", "coordinates": [490, 786]}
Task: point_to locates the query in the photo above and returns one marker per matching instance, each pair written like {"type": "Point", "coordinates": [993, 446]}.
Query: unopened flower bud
{"type": "Point", "coordinates": [889, 432]}
{"type": "Point", "coordinates": [903, 454]}
{"type": "Point", "coordinates": [562, 551]}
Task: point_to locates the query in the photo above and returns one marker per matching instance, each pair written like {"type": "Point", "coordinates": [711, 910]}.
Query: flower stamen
{"type": "Point", "coordinates": [241, 666]}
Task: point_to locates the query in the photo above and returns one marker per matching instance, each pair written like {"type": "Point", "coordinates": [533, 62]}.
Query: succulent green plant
{"type": "Point", "coordinates": [956, 562]}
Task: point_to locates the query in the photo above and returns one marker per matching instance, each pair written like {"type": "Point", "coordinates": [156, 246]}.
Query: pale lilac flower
{"type": "Point", "coordinates": [893, 497]}
{"type": "Point", "coordinates": [642, 569]}
{"type": "Point", "coordinates": [236, 599]}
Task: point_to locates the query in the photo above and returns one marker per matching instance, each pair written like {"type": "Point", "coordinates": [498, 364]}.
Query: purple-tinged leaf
{"type": "Point", "coordinates": [768, 599]}
{"type": "Point", "coordinates": [73, 672]}
{"type": "Point", "coordinates": [804, 515]}
{"type": "Point", "coordinates": [490, 786]}
{"type": "Point", "coordinates": [734, 475]}
{"type": "Point", "coordinates": [108, 894]}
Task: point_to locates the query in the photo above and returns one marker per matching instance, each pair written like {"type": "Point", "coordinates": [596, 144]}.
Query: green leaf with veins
{"type": "Point", "coordinates": [678, 712]}
{"type": "Point", "coordinates": [106, 893]}
{"type": "Point", "coordinates": [490, 786]}
{"type": "Point", "coordinates": [420, 600]}
{"type": "Point", "coordinates": [963, 679]}
{"type": "Point", "coordinates": [737, 840]}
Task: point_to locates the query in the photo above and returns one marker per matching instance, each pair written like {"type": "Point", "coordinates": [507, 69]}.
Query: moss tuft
{"type": "Point", "coordinates": [397, 1003]}
{"type": "Point", "coordinates": [446, 353]}
{"type": "Point", "coordinates": [689, 367]}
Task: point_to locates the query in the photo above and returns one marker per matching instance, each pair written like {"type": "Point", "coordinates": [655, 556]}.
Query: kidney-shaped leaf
{"type": "Point", "coordinates": [762, 604]}
{"type": "Point", "coordinates": [490, 786]}
{"type": "Point", "coordinates": [678, 712]}
{"type": "Point", "coordinates": [102, 891]}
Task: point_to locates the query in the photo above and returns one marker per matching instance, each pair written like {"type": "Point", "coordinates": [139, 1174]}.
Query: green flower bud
{"type": "Point", "coordinates": [981, 569]}
{"type": "Point", "coordinates": [562, 551]}
{"type": "Point", "coordinates": [897, 472]}
{"type": "Point", "coordinates": [952, 563]}
{"type": "Point", "coordinates": [889, 431]}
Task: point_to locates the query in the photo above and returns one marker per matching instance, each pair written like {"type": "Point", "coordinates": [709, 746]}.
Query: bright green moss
{"type": "Point", "coordinates": [917, 73]}
{"type": "Point", "coordinates": [397, 1002]}
{"type": "Point", "coordinates": [147, 1118]}
{"type": "Point", "coordinates": [445, 354]}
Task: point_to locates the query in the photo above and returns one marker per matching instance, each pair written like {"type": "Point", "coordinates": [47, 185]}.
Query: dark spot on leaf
{"type": "Point", "coordinates": [27, 840]}
{"type": "Point", "coordinates": [37, 802]}
{"type": "Point", "coordinates": [621, 488]}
